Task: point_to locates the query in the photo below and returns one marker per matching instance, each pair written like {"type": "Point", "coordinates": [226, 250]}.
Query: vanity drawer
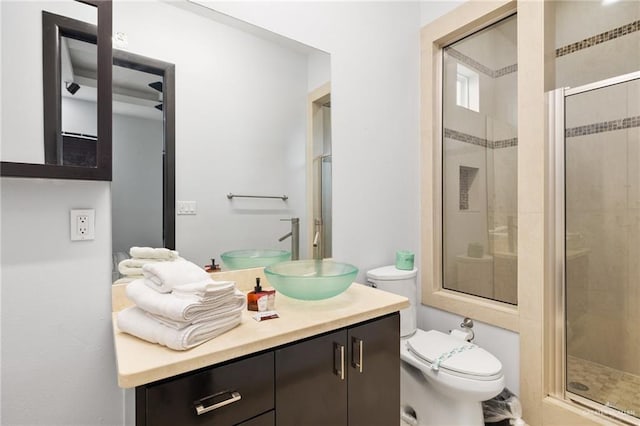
{"type": "Point", "coordinates": [267, 419]}
{"type": "Point", "coordinates": [224, 395]}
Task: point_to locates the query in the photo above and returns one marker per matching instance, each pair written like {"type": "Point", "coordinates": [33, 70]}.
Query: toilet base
{"type": "Point", "coordinates": [422, 405]}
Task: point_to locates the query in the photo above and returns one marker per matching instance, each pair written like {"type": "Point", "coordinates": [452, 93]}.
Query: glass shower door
{"type": "Point", "coordinates": [602, 243]}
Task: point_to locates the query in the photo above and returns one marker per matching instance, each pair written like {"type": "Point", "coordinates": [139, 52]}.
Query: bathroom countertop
{"type": "Point", "coordinates": [140, 362]}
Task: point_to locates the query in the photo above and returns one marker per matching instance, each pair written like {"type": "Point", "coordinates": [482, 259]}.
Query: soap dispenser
{"type": "Point", "coordinates": [257, 300]}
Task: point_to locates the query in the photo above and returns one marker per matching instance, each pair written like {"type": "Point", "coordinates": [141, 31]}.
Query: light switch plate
{"type": "Point", "coordinates": [82, 224]}
{"type": "Point", "coordinates": [186, 207]}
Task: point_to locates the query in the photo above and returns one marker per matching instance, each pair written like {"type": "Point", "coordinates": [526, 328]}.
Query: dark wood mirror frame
{"type": "Point", "coordinates": [168, 72]}
{"type": "Point", "coordinates": [51, 94]}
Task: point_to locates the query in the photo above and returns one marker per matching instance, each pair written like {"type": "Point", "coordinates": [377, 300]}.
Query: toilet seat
{"type": "Point", "coordinates": [442, 352]}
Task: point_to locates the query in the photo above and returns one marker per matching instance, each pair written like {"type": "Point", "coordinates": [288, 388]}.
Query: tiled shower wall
{"type": "Point", "coordinates": [603, 178]}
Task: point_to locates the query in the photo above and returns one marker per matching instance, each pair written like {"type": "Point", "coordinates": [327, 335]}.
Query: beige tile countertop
{"type": "Point", "coordinates": [140, 362]}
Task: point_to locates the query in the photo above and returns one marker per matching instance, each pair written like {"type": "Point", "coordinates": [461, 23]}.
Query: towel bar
{"type": "Point", "coordinates": [232, 196]}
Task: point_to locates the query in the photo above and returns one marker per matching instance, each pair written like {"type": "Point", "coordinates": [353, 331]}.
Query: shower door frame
{"type": "Point", "coordinates": [556, 216]}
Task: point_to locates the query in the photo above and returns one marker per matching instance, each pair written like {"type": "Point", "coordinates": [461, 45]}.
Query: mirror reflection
{"type": "Point", "coordinates": [246, 120]}
{"type": "Point", "coordinates": [480, 168]}
{"type": "Point", "coordinates": [79, 113]}
{"type": "Point", "coordinates": [23, 126]}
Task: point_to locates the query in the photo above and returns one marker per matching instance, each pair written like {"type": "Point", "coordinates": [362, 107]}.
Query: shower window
{"type": "Point", "coordinates": [479, 163]}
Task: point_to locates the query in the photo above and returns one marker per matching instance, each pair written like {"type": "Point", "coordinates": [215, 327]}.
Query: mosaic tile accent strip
{"type": "Point", "coordinates": [474, 140]}
{"type": "Point", "coordinates": [598, 38]}
{"type": "Point", "coordinates": [606, 385]}
{"type": "Point", "coordinates": [605, 126]}
{"type": "Point", "coordinates": [467, 176]}
{"type": "Point", "coordinates": [463, 137]}
{"type": "Point", "coordinates": [461, 57]}
{"type": "Point", "coordinates": [504, 143]}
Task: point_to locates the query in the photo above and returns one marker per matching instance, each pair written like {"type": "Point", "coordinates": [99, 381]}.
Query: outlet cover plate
{"type": "Point", "coordinates": [82, 224]}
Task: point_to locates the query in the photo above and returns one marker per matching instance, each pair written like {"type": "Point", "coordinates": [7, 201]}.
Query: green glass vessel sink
{"type": "Point", "coordinates": [253, 258]}
{"type": "Point", "coordinates": [311, 279]}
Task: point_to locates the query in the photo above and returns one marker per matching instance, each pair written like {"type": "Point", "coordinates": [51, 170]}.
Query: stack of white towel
{"type": "Point", "coordinates": [140, 256]}
{"type": "Point", "coordinates": [178, 305]}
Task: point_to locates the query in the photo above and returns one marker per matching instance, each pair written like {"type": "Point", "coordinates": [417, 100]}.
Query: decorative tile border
{"type": "Point", "coordinates": [464, 137]}
{"type": "Point", "coordinates": [598, 38]}
{"type": "Point", "coordinates": [461, 57]}
{"type": "Point", "coordinates": [474, 140]}
{"type": "Point", "coordinates": [604, 126]}
{"type": "Point", "coordinates": [505, 143]}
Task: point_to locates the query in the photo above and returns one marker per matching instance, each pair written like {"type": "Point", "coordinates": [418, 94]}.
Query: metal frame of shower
{"type": "Point", "coordinates": [556, 252]}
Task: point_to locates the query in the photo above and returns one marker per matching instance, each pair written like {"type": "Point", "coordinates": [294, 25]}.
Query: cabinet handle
{"type": "Point", "coordinates": [357, 345]}
{"type": "Point", "coordinates": [201, 409]}
{"type": "Point", "coordinates": [338, 371]}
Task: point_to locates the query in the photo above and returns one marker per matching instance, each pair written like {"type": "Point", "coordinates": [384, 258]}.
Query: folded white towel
{"type": "Point", "coordinates": [221, 313]}
{"type": "Point", "coordinates": [184, 308]}
{"type": "Point", "coordinates": [202, 290]}
{"type": "Point", "coordinates": [153, 253]}
{"type": "Point", "coordinates": [134, 266]}
{"type": "Point", "coordinates": [136, 322]}
{"type": "Point", "coordinates": [163, 276]}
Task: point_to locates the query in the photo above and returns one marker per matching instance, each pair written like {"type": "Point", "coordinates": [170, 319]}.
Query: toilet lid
{"type": "Point", "coordinates": [455, 355]}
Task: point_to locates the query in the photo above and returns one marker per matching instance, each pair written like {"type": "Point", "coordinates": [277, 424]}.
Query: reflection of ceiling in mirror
{"type": "Point", "coordinates": [132, 93]}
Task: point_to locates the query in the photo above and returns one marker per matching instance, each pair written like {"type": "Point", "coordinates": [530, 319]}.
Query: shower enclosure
{"type": "Point", "coordinates": [597, 209]}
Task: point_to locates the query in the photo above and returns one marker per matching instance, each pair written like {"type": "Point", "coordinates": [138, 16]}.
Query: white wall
{"type": "Point", "coordinates": [58, 365]}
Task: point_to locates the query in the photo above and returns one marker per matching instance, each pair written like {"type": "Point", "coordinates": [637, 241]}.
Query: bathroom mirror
{"type": "Point", "coordinates": [54, 37]}
{"type": "Point", "coordinates": [479, 163]}
{"type": "Point", "coordinates": [243, 108]}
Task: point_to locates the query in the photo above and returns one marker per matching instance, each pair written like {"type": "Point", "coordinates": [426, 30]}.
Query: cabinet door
{"type": "Point", "coordinates": [311, 382]}
{"type": "Point", "coordinates": [374, 372]}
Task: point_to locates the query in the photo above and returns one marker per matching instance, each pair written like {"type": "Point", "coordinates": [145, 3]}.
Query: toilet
{"type": "Point", "coordinates": [443, 378]}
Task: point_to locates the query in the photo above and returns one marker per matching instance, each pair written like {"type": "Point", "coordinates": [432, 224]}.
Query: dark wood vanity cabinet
{"type": "Point", "coordinates": [347, 377]}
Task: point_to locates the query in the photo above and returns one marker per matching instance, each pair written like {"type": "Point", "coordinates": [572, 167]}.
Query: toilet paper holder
{"type": "Point", "coordinates": [467, 330]}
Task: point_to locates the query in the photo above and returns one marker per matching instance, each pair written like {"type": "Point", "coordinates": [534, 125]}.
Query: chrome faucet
{"type": "Point", "coordinates": [295, 237]}
{"type": "Point", "coordinates": [317, 243]}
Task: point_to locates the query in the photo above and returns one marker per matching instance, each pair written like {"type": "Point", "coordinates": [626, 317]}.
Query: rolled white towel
{"type": "Point", "coordinates": [232, 308]}
{"type": "Point", "coordinates": [136, 322]}
{"type": "Point", "coordinates": [163, 276]}
{"type": "Point", "coordinates": [182, 308]}
{"type": "Point", "coordinates": [153, 253]}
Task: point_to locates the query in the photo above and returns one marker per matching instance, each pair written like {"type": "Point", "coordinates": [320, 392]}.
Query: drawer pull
{"type": "Point", "coordinates": [356, 360]}
{"type": "Point", "coordinates": [339, 351]}
{"type": "Point", "coordinates": [201, 409]}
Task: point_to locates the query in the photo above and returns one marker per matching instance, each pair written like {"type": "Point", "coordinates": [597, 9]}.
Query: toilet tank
{"type": "Point", "coordinates": [403, 283]}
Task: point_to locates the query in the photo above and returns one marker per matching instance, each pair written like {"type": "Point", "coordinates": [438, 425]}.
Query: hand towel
{"type": "Point", "coordinates": [163, 276]}
{"type": "Point", "coordinates": [134, 266]}
{"type": "Point", "coordinates": [153, 253]}
{"type": "Point", "coordinates": [134, 321]}
{"type": "Point", "coordinates": [222, 313]}
{"type": "Point", "coordinates": [202, 290]}
{"type": "Point", "coordinates": [183, 308]}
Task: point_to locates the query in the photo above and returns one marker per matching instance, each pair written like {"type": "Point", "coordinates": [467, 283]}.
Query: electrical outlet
{"type": "Point", "coordinates": [82, 224]}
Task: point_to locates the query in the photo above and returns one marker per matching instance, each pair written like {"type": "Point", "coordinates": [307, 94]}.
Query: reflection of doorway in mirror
{"type": "Point", "coordinates": [139, 150]}
{"type": "Point", "coordinates": [321, 182]}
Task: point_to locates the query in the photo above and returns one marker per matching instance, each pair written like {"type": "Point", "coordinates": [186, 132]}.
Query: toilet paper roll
{"type": "Point", "coordinates": [465, 335]}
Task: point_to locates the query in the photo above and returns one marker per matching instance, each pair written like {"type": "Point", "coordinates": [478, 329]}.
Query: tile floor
{"type": "Point", "coordinates": [605, 385]}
